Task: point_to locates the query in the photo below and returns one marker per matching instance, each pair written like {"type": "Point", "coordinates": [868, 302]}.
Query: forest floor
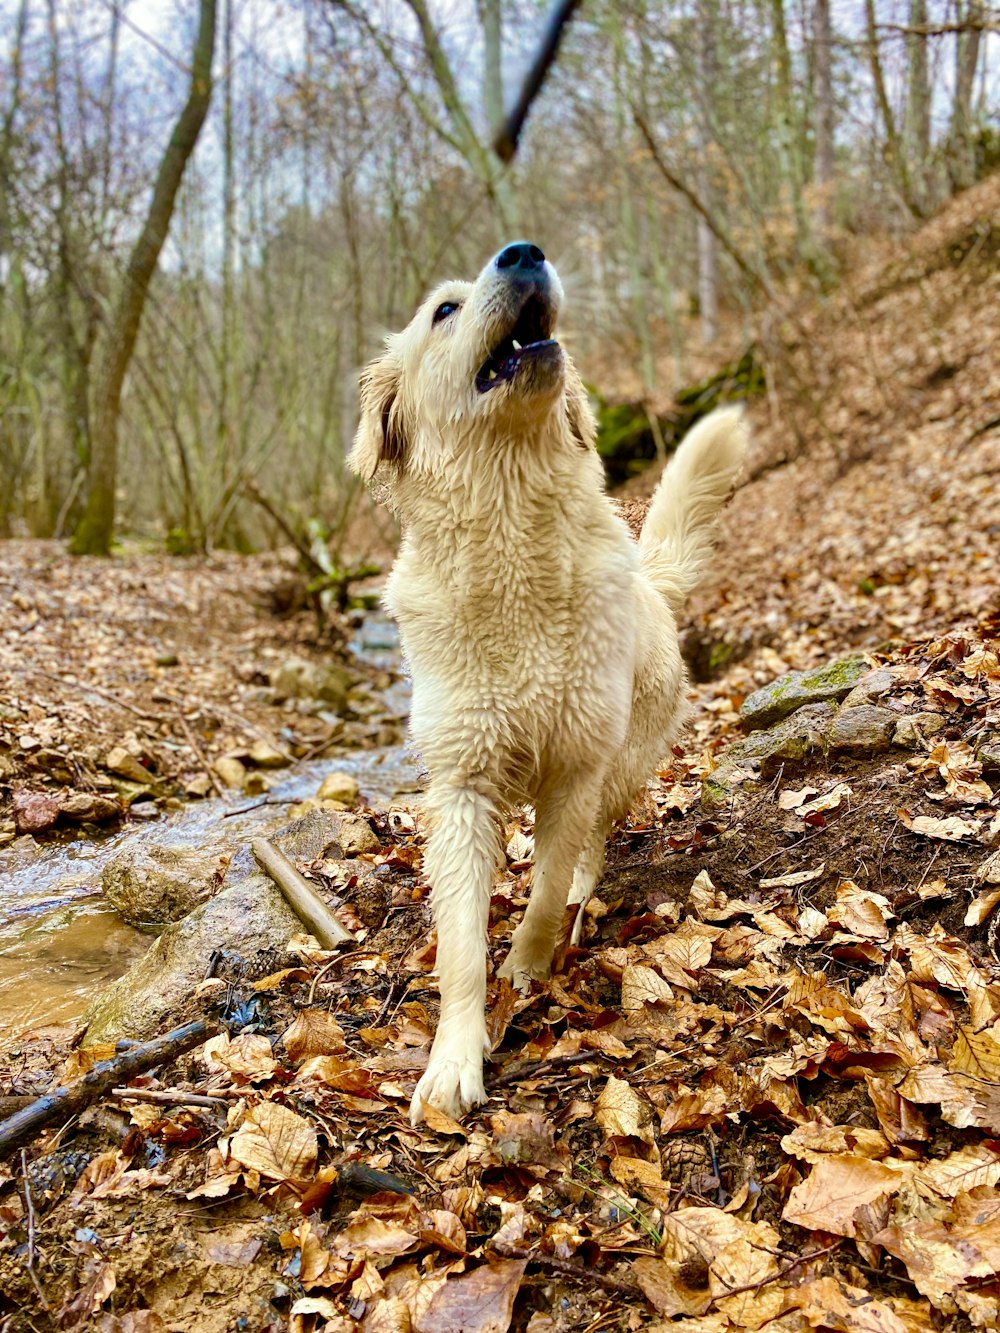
{"type": "Point", "coordinates": [766, 1094]}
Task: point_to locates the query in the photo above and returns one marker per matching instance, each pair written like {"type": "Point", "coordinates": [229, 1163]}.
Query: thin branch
{"type": "Point", "coordinates": [301, 897]}
{"type": "Point", "coordinates": [508, 134]}
{"type": "Point", "coordinates": [72, 1098]}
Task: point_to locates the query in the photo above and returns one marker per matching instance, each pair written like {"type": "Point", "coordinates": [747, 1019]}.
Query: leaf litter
{"type": "Point", "coordinates": [765, 1095]}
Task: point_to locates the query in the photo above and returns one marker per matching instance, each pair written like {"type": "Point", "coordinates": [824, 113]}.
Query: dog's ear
{"type": "Point", "coordinates": [582, 425]}
{"type": "Point", "coordinates": [380, 437]}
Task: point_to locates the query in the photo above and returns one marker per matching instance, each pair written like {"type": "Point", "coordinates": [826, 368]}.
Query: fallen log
{"type": "Point", "coordinates": [62, 1103]}
{"type": "Point", "coordinates": [301, 897]}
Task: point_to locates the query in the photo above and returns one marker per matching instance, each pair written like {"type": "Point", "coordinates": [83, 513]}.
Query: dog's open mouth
{"type": "Point", "coordinates": [528, 338]}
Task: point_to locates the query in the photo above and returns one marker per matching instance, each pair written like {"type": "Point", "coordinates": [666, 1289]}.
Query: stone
{"type": "Point", "coordinates": [265, 755]}
{"type": "Point", "coordinates": [872, 685]}
{"type": "Point", "coordinates": [247, 920]}
{"type": "Point", "coordinates": [987, 751]}
{"type": "Point", "coordinates": [149, 886]}
{"type": "Point", "coordinates": [88, 807]}
{"type": "Point", "coordinates": [789, 693]}
{"type": "Point", "coordinates": [339, 787]}
{"type": "Point", "coordinates": [231, 771]}
{"type": "Point", "coordinates": [788, 741]}
{"type": "Point", "coordinates": [34, 811]}
{"type": "Point", "coordinates": [356, 836]}
{"type": "Point", "coordinates": [912, 730]}
{"type": "Point", "coordinates": [866, 729]}
{"type": "Point", "coordinates": [119, 760]}
{"type": "Point", "coordinates": [298, 678]}
{"type": "Point", "coordinates": [763, 753]}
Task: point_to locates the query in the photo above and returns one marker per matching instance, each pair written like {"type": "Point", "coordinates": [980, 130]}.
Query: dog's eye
{"type": "Point", "coordinates": [444, 310]}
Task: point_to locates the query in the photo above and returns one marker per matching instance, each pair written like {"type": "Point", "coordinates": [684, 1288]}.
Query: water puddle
{"type": "Point", "coordinates": [60, 942]}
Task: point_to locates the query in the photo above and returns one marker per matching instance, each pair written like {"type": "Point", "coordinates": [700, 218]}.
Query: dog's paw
{"type": "Point", "coordinates": [521, 969]}
{"type": "Point", "coordinates": [453, 1086]}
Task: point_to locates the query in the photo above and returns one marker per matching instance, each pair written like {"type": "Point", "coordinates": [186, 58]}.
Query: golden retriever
{"type": "Point", "coordinates": [540, 636]}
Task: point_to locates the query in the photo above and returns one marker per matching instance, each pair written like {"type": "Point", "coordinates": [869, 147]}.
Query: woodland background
{"type": "Point", "coordinates": [211, 212]}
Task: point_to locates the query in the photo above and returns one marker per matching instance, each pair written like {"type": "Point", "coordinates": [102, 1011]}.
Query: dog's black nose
{"type": "Point", "coordinates": [522, 254]}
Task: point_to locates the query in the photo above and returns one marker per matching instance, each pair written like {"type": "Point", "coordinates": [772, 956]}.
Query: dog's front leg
{"type": "Point", "coordinates": [564, 824]}
{"type": "Point", "coordinates": [463, 852]}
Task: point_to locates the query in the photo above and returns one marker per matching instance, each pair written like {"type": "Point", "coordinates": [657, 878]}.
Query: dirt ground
{"type": "Point", "coordinates": [765, 1094]}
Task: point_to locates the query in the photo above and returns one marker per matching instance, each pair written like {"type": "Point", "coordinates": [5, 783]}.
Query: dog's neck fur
{"type": "Point", "coordinates": [489, 496]}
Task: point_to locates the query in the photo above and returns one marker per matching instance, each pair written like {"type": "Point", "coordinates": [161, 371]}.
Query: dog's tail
{"type": "Point", "coordinates": [679, 530]}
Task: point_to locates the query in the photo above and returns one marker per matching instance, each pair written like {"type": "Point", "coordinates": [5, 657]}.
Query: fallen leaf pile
{"type": "Point", "coordinates": [126, 683]}
{"type": "Point", "coordinates": [766, 1092]}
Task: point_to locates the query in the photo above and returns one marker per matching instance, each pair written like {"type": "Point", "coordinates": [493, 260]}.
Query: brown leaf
{"type": "Point", "coordinates": [314, 1032]}
{"type": "Point", "coordinates": [836, 1186]}
{"type": "Point", "coordinates": [478, 1302]}
{"type": "Point", "coordinates": [276, 1142]}
{"type": "Point", "coordinates": [977, 1053]}
{"type": "Point", "coordinates": [622, 1112]}
{"type": "Point", "coordinates": [97, 1282]}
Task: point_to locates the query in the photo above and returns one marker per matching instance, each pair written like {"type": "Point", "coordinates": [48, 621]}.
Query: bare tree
{"type": "Point", "coordinates": [823, 163]}
{"type": "Point", "coordinates": [95, 530]}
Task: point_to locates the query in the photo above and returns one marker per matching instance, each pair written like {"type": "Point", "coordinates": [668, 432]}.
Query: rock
{"type": "Point", "coordinates": [788, 693]}
{"type": "Point", "coordinates": [167, 660]}
{"type": "Point", "coordinates": [88, 807]}
{"type": "Point", "coordinates": [912, 730]}
{"type": "Point", "coordinates": [872, 685]}
{"type": "Point", "coordinates": [150, 885]}
{"type": "Point", "coordinates": [866, 729]}
{"type": "Point", "coordinates": [144, 809]}
{"type": "Point", "coordinates": [788, 741]}
{"type": "Point", "coordinates": [356, 836]}
{"type": "Point", "coordinates": [248, 919]}
{"type": "Point", "coordinates": [199, 786]}
{"type": "Point", "coordinates": [119, 760]}
{"type": "Point", "coordinates": [34, 811]}
{"type": "Point", "coordinates": [987, 752]}
{"type": "Point", "coordinates": [231, 771]}
{"type": "Point", "coordinates": [764, 752]}
{"type": "Point", "coordinates": [300, 679]}
{"type": "Point", "coordinates": [265, 755]}
{"type": "Point", "coordinates": [339, 787]}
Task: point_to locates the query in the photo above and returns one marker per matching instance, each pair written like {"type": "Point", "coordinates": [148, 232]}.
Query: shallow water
{"type": "Point", "coordinates": [61, 943]}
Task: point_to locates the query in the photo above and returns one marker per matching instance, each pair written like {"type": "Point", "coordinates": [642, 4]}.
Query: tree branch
{"type": "Point", "coordinates": [508, 134]}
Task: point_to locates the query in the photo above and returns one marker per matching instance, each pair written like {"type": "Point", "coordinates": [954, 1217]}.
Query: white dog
{"type": "Point", "coordinates": [541, 638]}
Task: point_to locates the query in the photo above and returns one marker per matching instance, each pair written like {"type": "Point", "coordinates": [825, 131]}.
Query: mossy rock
{"type": "Point", "coordinates": [787, 694]}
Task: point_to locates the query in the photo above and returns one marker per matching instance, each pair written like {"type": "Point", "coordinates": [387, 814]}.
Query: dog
{"type": "Point", "coordinates": [540, 637]}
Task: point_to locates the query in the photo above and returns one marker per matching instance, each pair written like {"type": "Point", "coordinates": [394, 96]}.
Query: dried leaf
{"type": "Point", "coordinates": [314, 1032]}
{"type": "Point", "coordinates": [275, 1142]}
{"type": "Point", "coordinates": [478, 1302]}
{"type": "Point", "coordinates": [834, 1190]}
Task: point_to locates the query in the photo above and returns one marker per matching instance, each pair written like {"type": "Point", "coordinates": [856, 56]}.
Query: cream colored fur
{"type": "Point", "coordinates": [540, 637]}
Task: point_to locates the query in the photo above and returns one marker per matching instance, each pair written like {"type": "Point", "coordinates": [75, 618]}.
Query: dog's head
{"type": "Point", "coordinates": [478, 358]}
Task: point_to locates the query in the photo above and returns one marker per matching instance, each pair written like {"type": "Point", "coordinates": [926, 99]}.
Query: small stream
{"type": "Point", "coordinates": [61, 943]}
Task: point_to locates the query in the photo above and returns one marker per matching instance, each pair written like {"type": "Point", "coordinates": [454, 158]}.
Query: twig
{"type": "Point", "coordinates": [300, 895]}
{"type": "Point", "coordinates": [571, 1269]}
{"type": "Point", "coordinates": [528, 1068]}
{"type": "Point", "coordinates": [507, 135]}
{"type": "Point", "coordinates": [167, 1097]}
{"type": "Point", "coordinates": [30, 1208]}
{"type": "Point", "coordinates": [64, 1102]}
{"type": "Point", "coordinates": [782, 1271]}
{"type": "Point", "coordinates": [101, 694]}
{"type": "Point", "coordinates": [265, 800]}
{"type": "Point", "coordinates": [199, 754]}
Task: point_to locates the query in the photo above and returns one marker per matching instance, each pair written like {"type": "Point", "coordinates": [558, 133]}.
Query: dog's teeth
{"type": "Point", "coordinates": [517, 345]}
{"type": "Point", "coordinates": [493, 374]}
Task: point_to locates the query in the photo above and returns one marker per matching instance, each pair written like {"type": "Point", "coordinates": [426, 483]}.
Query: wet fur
{"type": "Point", "coordinates": [540, 636]}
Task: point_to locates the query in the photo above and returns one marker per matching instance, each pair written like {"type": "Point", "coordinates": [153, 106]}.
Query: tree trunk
{"type": "Point", "coordinates": [96, 528]}
{"type": "Point", "coordinates": [917, 130]}
{"type": "Point", "coordinates": [961, 147]}
{"type": "Point", "coordinates": [823, 162]}
{"type": "Point", "coordinates": [894, 145]}
{"type": "Point", "coordinates": [708, 251]}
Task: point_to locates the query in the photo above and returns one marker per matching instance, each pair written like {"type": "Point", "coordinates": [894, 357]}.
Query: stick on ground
{"type": "Point", "coordinates": [71, 1098]}
{"type": "Point", "coordinates": [301, 897]}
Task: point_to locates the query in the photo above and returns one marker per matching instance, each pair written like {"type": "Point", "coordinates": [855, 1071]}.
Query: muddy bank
{"type": "Point", "coordinates": [61, 942]}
